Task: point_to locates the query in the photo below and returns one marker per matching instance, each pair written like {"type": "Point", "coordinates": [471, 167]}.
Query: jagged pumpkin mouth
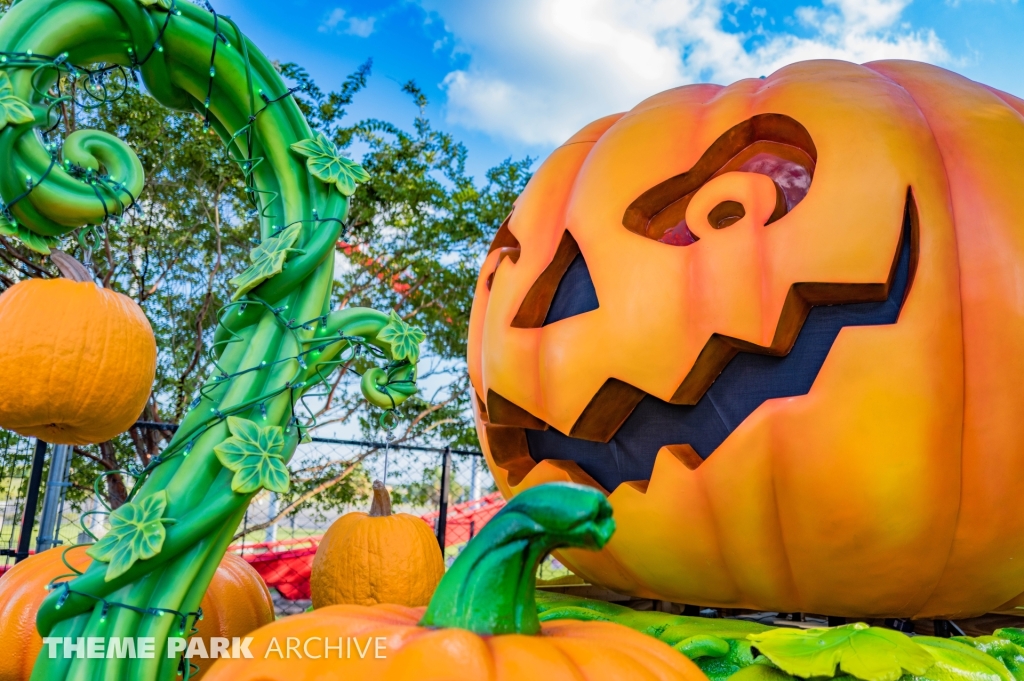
{"type": "Point", "coordinates": [620, 433]}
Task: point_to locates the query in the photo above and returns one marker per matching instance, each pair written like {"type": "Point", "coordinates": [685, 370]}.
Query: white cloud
{"type": "Point", "coordinates": [361, 27]}
{"type": "Point", "coordinates": [540, 69]}
{"type": "Point", "coordinates": [332, 20]}
{"type": "Point", "coordinates": [339, 21]}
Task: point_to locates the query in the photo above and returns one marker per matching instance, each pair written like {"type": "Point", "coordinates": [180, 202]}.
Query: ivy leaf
{"type": "Point", "coordinates": [256, 455]}
{"type": "Point", "coordinates": [136, 533]}
{"type": "Point", "coordinates": [1011, 634]}
{"type": "Point", "coordinates": [404, 339]}
{"type": "Point", "coordinates": [267, 260]}
{"type": "Point", "coordinates": [36, 242]}
{"type": "Point", "coordinates": [326, 164]}
{"type": "Point", "coordinates": [965, 659]}
{"type": "Point", "coordinates": [13, 109]}
{"type": "Point", "coordinates": [868, 653]}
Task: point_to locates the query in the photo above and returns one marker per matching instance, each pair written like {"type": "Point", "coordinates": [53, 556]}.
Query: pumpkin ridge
{"type": "Point", "coordinates": [956, 237]}
{"type": "Point", "coordinates": [924, 114]}
{"type": "Point", "coordinates": [368, 559]}
{"type": "Point", "coordinates": [105, 333]}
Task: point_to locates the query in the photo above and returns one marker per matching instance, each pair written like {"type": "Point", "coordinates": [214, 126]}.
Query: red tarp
{"type": "Point", "coordinates": [285, 565]}
{"type": "Point", "coordinates": [466, 519]}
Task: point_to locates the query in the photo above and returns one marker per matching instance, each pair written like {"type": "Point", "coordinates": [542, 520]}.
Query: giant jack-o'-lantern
{"type": "Point", "coordinates": [781, 323]}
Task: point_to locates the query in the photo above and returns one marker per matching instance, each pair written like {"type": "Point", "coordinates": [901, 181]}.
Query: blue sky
{"type": "Point", "coordinates": [515, 77]}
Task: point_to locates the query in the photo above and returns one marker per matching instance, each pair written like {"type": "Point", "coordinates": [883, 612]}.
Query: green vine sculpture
{"type": "Point", "coordinates": [276, 339]}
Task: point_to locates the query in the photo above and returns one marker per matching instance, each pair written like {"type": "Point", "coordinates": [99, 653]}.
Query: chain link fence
{"type": "Point", "coordinates": [51, 495]}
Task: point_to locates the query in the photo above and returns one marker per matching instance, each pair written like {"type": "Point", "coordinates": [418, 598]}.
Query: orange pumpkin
{"type": "Point", "coordinates": [779, 323]}
{"type": "Point", "coordinates": [481, 624]}
{"type": "Point", "coordinates": [77, 360]}
{"type": "Point", "coordinates": [380, 557]}
{"type": "Point", "coordinates": [566, 649]}
{"type": "Point", "coordinates": [236, 603]}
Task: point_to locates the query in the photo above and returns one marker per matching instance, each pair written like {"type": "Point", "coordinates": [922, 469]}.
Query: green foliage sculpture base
{"type": "Point", "coordinates": [275, 340]}
{"type": "Point", "coordinates": [740, 650]}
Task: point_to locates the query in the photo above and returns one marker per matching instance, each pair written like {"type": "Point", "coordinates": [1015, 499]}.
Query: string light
{"type": "Point", "coordinates": [107, 606]}
{"type": "Point", "coordinates": [107, 84]}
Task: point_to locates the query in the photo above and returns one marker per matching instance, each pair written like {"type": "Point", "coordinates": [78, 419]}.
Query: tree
{"type": "Point", "coordinates": [417, 232]}
{"type": "Point", "coordinates": [413, 242]}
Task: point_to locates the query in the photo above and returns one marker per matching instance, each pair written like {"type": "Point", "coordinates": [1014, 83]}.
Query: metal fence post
{"type": "Point", "coordinates": [28, 521]}
{"type": "Point", "coordinates": [53, 500]}
{"type": "Point", "coordinates": [271, 534]}
{"type": "Point", "coordinates": [442, 515]}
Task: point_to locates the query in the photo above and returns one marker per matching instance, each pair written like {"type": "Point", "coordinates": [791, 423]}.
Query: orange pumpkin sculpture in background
{"type": "Point", "coordinates": [236, 603]}
{"type": "Point", "coordinates": [77, 361]}
{"type": "Point", "coordinates": [780, 323]}
{"type": "Point", "coordinates": [376, 557]}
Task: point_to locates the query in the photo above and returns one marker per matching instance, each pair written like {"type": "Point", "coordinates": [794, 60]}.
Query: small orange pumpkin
{"type": "Point", "coordinates": [236, 603]}
{"type": "Point", "coordinates": [365, 559]}
{"type": "Point", "coordinates": [481, 624]}
{"type": "Point", "coordinates": [77, 361]}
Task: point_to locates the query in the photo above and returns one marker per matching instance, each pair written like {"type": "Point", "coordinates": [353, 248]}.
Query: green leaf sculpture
{"type": "Point", "coordinates": [326, 164]}
{"type": "Point", "coordinates": [964, 659]}
{"type": "Point", "coordinates": [404, 339]}
{"type": "Point", "coordinates": [868, 653]}
{"type": "Point", "coordinates": [13, 109]}
{"type": "Point", "coordinates": [157, 4]}
{"type": "Point", "coordinates": [36, 242]}
{"type": "Point", "coordinates": [256, 456]}
{"type": "Point", "coordinates": [267, 260]}
{"type": "Point", "coordinates": [136, 533]}
{"type": "Point", "coordinates": [1006, 645]}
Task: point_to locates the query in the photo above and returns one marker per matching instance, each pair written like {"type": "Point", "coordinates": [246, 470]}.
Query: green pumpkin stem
{"type": "Point", "coordinates": [489, 590]}
{"type": "Point", "coordinates": [381, 505]}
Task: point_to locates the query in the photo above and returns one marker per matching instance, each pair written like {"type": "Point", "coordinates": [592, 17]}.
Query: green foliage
{"type": "Point", "coordinates": [136, 532]}
{"type": "Point", "coordinates": [404, 339]}
{"type": "Point", "coordinates": [256, 456]}
{"type": "Point", "coordinates": [671, 629]}
{"type": "Point", "coordinates": [327, 165]}
{"type": "Point", "coordinates": [865, 652]}
{"type": "Point", "coordinates": [1004, 645]}
{"type": "Point", "coordinates": [13, 109]}
{"type": "Point", "coordinates": [739, 650]}
{"type": "Point", "coordinates": [717, 657]}
{"type": "Point", "coordinates": [958, 661]}
{"type": "Point", "coordinates": [34, 242]}
{"type": "Point", "coordinates": [267, 260]}
{"type": "Point", "coordinates": [418, 230]}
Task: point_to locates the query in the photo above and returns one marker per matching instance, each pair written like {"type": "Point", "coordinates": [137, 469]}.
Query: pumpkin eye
{"type": "Point", "coordinates": [564, 289]}
{"type": "Point", "coordinates": [575, 293]}
{"type": "Point", "coordinates": [726, 213]}
{"type": "Point", "coordinates": [773, 145]}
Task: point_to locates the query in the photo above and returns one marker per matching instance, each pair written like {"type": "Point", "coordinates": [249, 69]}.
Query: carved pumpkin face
{"type": "Point", "coordinates": [781, 323]}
